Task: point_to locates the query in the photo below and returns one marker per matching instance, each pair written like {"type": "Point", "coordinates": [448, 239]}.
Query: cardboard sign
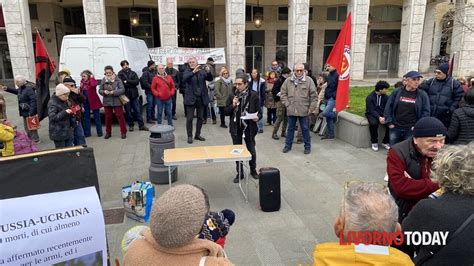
{"type": "Point", "coordinates": [181, 55]}
{"type": "Point", "coordinates": [63, 227]}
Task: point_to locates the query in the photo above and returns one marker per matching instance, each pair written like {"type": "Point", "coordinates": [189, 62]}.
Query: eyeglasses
{"type": "Point", "coordinates": [299, 70]}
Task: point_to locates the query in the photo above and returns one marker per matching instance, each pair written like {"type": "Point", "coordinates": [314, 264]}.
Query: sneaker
{"type": "Point", "coordinates": [375, 147]}
{"type": "Point", "coordinates": [223, 126]}
{"type": "Point", "coordinates": [99, 135]}
{"type": "Point", "coordinates": [260, 131]}
{"type": "Point", "coordinates": [236, 179]}
{"type": "Point", "coordinates": [107, 136]}
{"type": "Point", "coordinates": [386, 146]}
{"type": "Point", "coordinates": [286, 149]}
{"type": "Point", "coordinates": [275, 136]}
{"type": "Point", "coordinates": [328, 138]}
{"type": "Point", "coordinates": [307, 151]}
{"type": "Point", "coordinates": [143, 128]}
{"type": "Point", "coordinates": [385, 178]}
{"type": "Point", "coordinates": [199, 138]}
{"type": "Point", "coordinates": [131, 129]}
{"type": "Point", "coordinates": [37, 141]}
{"type": "Point", "coordinates": [190, 140]}
{"type": "Point", "coordinates": [124, 136]}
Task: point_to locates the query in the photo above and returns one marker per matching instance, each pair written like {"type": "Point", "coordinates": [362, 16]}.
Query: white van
{"type": "Point", "coordinates": [94, 52]}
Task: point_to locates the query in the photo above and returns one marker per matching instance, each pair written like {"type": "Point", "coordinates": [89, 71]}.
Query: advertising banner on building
{"type": "Point", "coordinates": [62, 228]}
{"type": "Point", "coordinates": [181, 55]}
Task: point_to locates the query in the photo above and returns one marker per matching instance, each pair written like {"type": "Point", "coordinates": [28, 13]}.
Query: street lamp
{"type": "Point", "coordinates": [257, 17]}
{"type": "Point", "coordinates": [134, 17]}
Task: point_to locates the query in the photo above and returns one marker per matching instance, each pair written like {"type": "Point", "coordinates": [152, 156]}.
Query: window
{"type": "Point", "coordinates": [250, 12]}
{"type": "Point", "coordinates": [282, 46]}
{"type": "Point", "coordinates": [310, 13]}
{"type": "Point", "coordinates": [330, 37]}
{"type": "Point", "coordinates": [33, 11]}
{"type": "Point", "coordinates": [283, 13]}
{"type": "Point", "coordinates": [386, 13]}
{"type": "Point", "coordinates": [144, 30]}
{"type": "Point", "coordinates": [336, 13]}
{"type": "Point", "coordinates": [254, 37]}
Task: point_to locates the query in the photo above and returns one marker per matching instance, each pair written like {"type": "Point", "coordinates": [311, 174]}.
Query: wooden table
{"type": "Point", "coordinates": [207, 154]}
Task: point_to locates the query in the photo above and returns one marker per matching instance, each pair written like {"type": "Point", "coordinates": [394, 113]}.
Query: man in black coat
{"type": "Point", "coordinates": [374, 108]}
{"type": "Point", "coordinates": [26, 102]}
{"type": "Point", "coordinates": [132, 109]}
{"type": "Point", "coordinates": [145, 82]}
{"type": "Point", "coordinates": [174, 73]}
{"type": "Point", "coordinates": [195, 96]}
{"type": "Point", "coordinates": [444, 93]}
{"type": "Point", "coordinates": [244, 101]}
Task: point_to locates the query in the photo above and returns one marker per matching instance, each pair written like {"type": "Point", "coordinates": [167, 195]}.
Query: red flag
{"type": "Point", "coordinates": [44, 68]}
{"type": "Point", "coordinates": [340, 58]}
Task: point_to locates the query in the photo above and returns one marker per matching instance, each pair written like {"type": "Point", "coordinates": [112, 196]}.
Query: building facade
{"type": "Point", "coordinates": [389, 37]}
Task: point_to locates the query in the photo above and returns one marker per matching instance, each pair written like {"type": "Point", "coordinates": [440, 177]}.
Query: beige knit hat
{"type": "Point", "coordinates": [178, 215]}
{"type": "Point", "coordinates": [61, 89]}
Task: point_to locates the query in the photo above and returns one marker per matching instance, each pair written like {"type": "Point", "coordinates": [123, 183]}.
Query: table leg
{"type": "Point", "coordinates": [240, 183]}
{"type": "Point", "coordinates": [169, 176]}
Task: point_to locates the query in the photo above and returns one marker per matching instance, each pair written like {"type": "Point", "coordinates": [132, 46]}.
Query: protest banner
{"type": "Point", "coordinates": [181, 55]}
{"type": "Point", "coordinates": [61, 228]}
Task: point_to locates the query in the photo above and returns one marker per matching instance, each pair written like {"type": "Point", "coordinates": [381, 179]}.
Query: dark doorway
{"type": "Point", "coordinates": [193, 28]}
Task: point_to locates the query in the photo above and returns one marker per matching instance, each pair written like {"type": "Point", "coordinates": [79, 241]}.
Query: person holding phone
{"type": "Point", "coordinates": [111, 88]}
{"type": "Point", "coordinates": [76, 102]}
{"type": "Point", "coordinates": [61, 120]}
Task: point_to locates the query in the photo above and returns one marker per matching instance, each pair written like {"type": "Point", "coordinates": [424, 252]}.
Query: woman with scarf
{"type": "Point", "coordinates": [244, 101]}
{"type": "Point", "coordinates": [257, 84]}
{"type": "Point", "coordinates": [111, 88]}
{"type": "Point", "coordinates": [269, 101]}
{"type": "Point", "coordinates": [223, 89]}
{"type": "Point", "coordinates": [163, 89]}
{"type": "Point", "coordinates": [92, 102]}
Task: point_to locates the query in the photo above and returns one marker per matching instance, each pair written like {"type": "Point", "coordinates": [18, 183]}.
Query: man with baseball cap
{"type": "Point", "coordinates": [409, 164]}
{"type": "Point", "coordinates": [444, 93]}
{"type": "Point", "coordinates": [405, 106]}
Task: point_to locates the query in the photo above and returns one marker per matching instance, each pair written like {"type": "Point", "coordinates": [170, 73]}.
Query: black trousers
{"type": "Point", "coordinates": [206, 112]}
{"type": "Point", "coordinates": [199, 107]}
{"type": "Point", "coordinates": [250, 143]}
{"type": "Point", "coordinates": [173, 108]}
{"type": "Point", "coordinates": [222, 115]}
{"type": "Point", "coordinates": [374, 130]}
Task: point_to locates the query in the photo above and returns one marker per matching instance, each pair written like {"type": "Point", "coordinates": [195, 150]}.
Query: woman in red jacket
{"type": "Point", "coordinates": [92, 102]}
{"type": "Point", "coordinates": [163, 89]}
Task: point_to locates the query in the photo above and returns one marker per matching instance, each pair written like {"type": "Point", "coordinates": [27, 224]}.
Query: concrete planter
{"type": "Point", "coordinates": [354, 129]}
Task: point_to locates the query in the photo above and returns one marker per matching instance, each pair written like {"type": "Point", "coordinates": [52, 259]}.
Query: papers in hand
{"type": "Point", "coordinates": [236, 151]}
{"type": "Point", "coordinates": [250, 116]}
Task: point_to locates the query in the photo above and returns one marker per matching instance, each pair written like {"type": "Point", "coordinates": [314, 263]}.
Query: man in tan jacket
{"type": "Point", "coordinates": [298, 94]}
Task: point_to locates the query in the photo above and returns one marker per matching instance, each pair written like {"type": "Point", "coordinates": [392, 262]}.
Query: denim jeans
{"type": "Point", "coordinates": [79, 137]}
{"type": "Point", "coordinates": [304, 122]}
{"type": "Point", "coordinates": [150, 106]}
{"type": "Point", "coordinates": [87, 119]}
{"type": "Point", "coordinates": [167, 105]}
{"type": "Point", "coordinates": [330, 116]}
{"type": "Point", "coordinates": [260, 124]}
{"type": "Point", "coordinates": [399, 134]}
{"type": "Point", "coordinates": [133, 113]}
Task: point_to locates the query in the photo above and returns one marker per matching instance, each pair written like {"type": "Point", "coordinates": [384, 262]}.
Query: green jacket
{"type": "Point", "coordinates": [222, 92]}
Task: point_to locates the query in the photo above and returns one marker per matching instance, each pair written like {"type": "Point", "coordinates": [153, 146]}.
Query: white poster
{"type": "Point", "coordinates": [62, 228]}
{"type": "Point", "coordinates": [181, 55]}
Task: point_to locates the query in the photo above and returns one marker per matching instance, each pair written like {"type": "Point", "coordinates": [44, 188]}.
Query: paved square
{"type": "Point", "coordinates": [311, 186]}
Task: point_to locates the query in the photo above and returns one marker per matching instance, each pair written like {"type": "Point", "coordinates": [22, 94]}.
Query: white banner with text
{"type": "Point", "coordinates": [181, 55]}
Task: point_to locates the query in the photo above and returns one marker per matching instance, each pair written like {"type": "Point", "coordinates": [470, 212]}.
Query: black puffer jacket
{"type": "Point", "coordinates": [251, 105]}
{"type": "Point", "coordinates": [61, 124]}
{"type": "Point", "coordinates": [461, 129]}
{"type": "Point", "coordinates": [130, 82]}
{"type": "Point", "coordinates": [444, 97]}
{"type": "Point", "coordinates": [146, 79]}
{"type": "Point", "coordinates": [26, 99]}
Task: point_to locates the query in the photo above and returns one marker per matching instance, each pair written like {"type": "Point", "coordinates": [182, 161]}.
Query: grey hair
{"type": "Point", "coordinates": [453, 169]}
{"type": "Point", "coordinates": [368, 208]}
{"type": "Point", "coordinates": [21, 79]}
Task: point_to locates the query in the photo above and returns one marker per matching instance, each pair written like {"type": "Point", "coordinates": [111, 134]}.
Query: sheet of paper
{"type": "Point", "coordinates": [250, 116]}
{"type": "Point", "coordinates": [63, 227]}
{"type": "Point", "coordinates": [236, 151]}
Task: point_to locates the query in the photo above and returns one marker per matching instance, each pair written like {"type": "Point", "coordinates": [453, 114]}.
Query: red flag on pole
{"type": "Point", "coordinates": [340, 58]}
{"type": "Point", "coordinates": [44, 68]}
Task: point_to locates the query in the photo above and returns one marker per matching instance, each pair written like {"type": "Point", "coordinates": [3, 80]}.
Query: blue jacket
{"type": "Point", "coordinates": [262, 87]}
{"type": "Point", "coordinates": [422, 105]}
{"type": "Point", "coordinates": [202, 76]}
{"type": "Point", "coordinates": [375, 106]}
{"type": "Point", "coordinates": [331, 89]}
{"type": "Point", "coordinates": [26, 99]}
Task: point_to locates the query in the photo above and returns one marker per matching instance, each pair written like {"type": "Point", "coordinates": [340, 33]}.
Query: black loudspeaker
{"type": "Point", "coordinates": [47, 171]}
{"type": "Point", "coordinates": [269, 189]}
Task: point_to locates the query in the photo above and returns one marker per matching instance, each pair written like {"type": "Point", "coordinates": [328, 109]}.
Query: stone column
{"type": "Point", "coordinates": [94, 16]}
{"type": "Point", "coordinates": [462, 42]}
{"type": "Point", "coordinates": [168, 16]}
{"type": "Point", "coordinates": [298, 24]}
{"type": "Point", "coordinates": [413, 18]}
{"type": "Point", "coordinates": [235, 32]}
{"type": "Point", "coordinates": [437, 38]}
{"type": "Point", "coordinates": [16, 14]}
{"type": "Point", "coordinates": [360, 20]}
{"type": "Point", "coordinates": [428, 37]}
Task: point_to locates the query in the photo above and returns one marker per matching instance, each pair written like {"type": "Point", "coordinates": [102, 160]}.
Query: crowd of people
{"type": "Point", "coordinates": [430, 184]}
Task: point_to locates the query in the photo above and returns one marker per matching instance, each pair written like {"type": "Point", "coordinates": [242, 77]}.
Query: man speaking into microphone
{"type": "Point", "coordinates": [240, 104]}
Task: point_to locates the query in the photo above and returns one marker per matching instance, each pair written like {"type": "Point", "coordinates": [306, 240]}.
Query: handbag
{"type": "Point", "coordinates": [124, 99]}
{"type": "Point", "coordinates": [33, 122]}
